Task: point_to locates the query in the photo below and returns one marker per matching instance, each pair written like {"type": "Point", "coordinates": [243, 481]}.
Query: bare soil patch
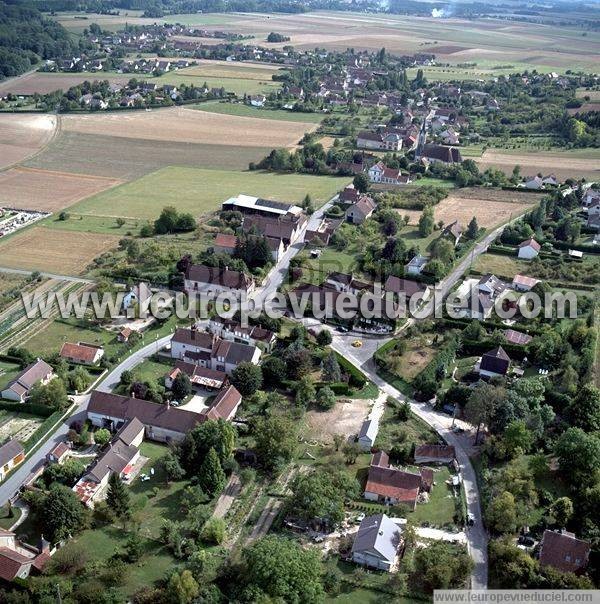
{"type": "Point", "coordinates": [53, 250]}
{"type": "Point", "coordinates": [186, 125]}
{"type": "Point", "coordinates": [23, 135]}
{"type": "Point", "coordinates": [345, 418]}
{"type": "Point", "coordinates": [43, 83]}
{"type": "Point", "coordinates": [585, 108]}
{"type": "Point", "coordinates": [32, 189]}
{"type": "Point", "coordinates": [490, 206]}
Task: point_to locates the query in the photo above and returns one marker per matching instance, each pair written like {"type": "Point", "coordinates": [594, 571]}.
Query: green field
{"type": "Point", "coordinates": [8, 371]}
{"type": "Point", "coordinates": [202, 191]}
{"type": "Point", "coordinates": [238, 85]}
{"type": "Point", "coordinates": [268, 114]}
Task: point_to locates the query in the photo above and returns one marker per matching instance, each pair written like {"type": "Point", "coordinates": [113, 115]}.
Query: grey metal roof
{"type": "Point", "coordinates": [378, 534]}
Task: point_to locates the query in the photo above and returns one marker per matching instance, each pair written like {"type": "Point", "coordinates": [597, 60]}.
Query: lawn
{"type": "Point", "coordinates": [151, 370]}
{"type": "Point", "coordinates": [242, 110]}
{"type": "Point", "coordinates": [5, 521]}
{"type": "Point", "coordinates": [201, 191]}
{"type": "Point", "coordinates": [315, 270]}
{"type": "Point", "coordinates": [439, 510]}
{"type": "Point", "coordinates": [8, 371]}
{"type": "Point", "coordinates": [501, 266]}
{"type": "Point", "coordinates": [395, 432]}
{"type": "Point", "coordinates": [94, 224]}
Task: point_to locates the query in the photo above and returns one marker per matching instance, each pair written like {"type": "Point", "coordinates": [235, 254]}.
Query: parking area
{"type": "Point", "coordinates": [199, 401]}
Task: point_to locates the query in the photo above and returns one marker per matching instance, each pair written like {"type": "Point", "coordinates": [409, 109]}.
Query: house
{"type": "Point", "coordinates": [516, 337]}
{"type": "Point", "coordinates": [39, 372]}
{"type": "Point", "coordinates": [439, 153]}
{"type": "Point", "coordinates": [368, 434]}
{"type": "Point", "coordinates": [491, 285]}
{"type": "Point", "coordinates": [139, 295]}
{"type": "Point", "coordinates": [119, 458]}
{"type": "Point", "coordinates": [11, 455]}
{"type": "Point", "coordinates": [494, 363]}
{"type": "Point", "coordinates": [124, 334]}
{"type": "Point", "coordinates": [529, 249]}
{"type": "Point", "coordinates": [377, 542]}
{"type": "Point", "coordinates": [258, 100]}
{"type": "Point", "coordinates": [407, 287]}
{"type": "Point", "coordinates": [534, 182]}
{"type": "Point", "coordinates": [563, 551]}
{"type": "Point", "coordinates": [209, 350]}
{"type": "Point", "coordinates": [81, 353]}
{"type": "Point", "coordinates": [391, 486]}
{"type": "Point", "coordinates": [162, 423]}
{"type": "Point", "coordinates": [18, 560]}
{"type": "Point", "coordinates": [360, 211]}
{"type": "Point", "coordinates": [286, 228]}
{"type": "Point", "coordinates": [253, 334]}
{"type": "Point", "coordinates": [225, 243]}
{"type": "Point", "coordinates": [201, 377]}
{"type": "Point", "coordinates": [449, 137]}
{"type": "Point", "coordinates": [434, 454]}
{"type": "Point", "coordinates": [522, 283]}
{"type": "Point", "coordinates": [381, 174]}
{"type": "Point", "coordinates": [225, 404]}
{"type": "Point", "coordinates": [211, 281]}
{"type": "Point", "coordinates": [454, 232]}
{"type": "Point", "coordinates": [247, 204]}
{"type": "Point", "coordinates": [416, 265]}
{"type": "Point", "coordinates": [59, 453]}
{"type": "Point", "coordinates": [349, 195]}
{"type": "Point", "coordinates": [379, 141]}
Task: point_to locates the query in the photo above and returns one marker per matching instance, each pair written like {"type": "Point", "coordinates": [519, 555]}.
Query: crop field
{"type": "Point", "coordinates": [200, 191]}
{"type": "Point", "coordinates": [239, 86]}
{"type": "Point", "coordinates": [23, 135]}
{"type": "Point", "coordinates": [562, 165]}
{"type": "Point", "coordinates": [33, 189]}
{"type": "Point", "coordinates": [43, 83]}
{"type": "Point", "coordinates": [231, 70]}
{"type": "Point", "coordinates": [130, 158]}
{"type": "Point", "coordinates": [491, 206]}
{"type": "Point", "coordinates": [259, 113]}
{"type": "Point", "coordinates": [52, 250]}
{"type": "Point", "coordinates": [179, 124]}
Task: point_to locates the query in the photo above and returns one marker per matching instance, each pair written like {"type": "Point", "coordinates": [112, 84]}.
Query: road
{"type": "Point", "coordinates": [17, 271]}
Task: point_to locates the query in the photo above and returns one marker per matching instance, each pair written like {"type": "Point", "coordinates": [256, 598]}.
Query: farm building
{"type": "Point", "coordinates": [81, 353]}
{"type": "Point", "coordinates": [529, 249]}
{"type": "Point", "coordinates": [358, 212]}
{"type": "Point", "coordinates": [435, 454]}
{"type": "Point", "coordinates": [11, 455]}
{"type": "Point", "coordinates": [211, 281]}
{"type": "Point", "coordinates": [247, 204]}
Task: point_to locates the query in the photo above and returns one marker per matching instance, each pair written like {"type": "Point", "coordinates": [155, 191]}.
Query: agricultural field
{"type": "Point", "coordinates": [256, 112]}
{"type": "Point", "coordinates": [44, 83]}
{"type": "Point", "coordinates": [179, 124]}
{"type": "Point", "coordinates": [34, 189]}
{"type": "Point", "coordinates": [20, 426]}
{"type": "Point", "coordinates": [201, 191]}
{"type": "Point", "coordinates": [231, 70]}
{"type": "Point", "coordinates": [55, 251]}
{"type": "Point", "coordinates": [492, 207]}
{"type": "Point", "coordinates": [23, 135]}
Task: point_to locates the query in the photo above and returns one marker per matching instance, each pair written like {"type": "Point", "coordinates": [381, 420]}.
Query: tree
{"type": "Point", "coordinates": [53, 394]}
{"type": "Point", "coordinates": [183, 587]}
{"type": "Point", "coordinates": [501, 514]}
{"type": "Point", "coordinates": [275, 438]}
{"type": "Point", "coordinates": [120, 222]}
{"type": "Point", "coordinates": [134, 547]}
{"type": "Point", "coordinates": [443, 250]}
{"type": "Point", "coordinates": [279, 569]}
{"type": "Point", "coordinates": [218, 435]}
{"type": "Point", "coordinates": [361, 183]}
{"type": "Point", "coordinates": [61, 513]}
{"type": "Point", "coordinates": [517, 438]}
{"type": "Point", "coordinates": [214, 531]}
{"type": "Point", "coordinates": [118, 498]}
{"type": "Point", "coordinates": [66, 473]}
{"type": "Point", "coordinates": [510, 567]}
{"type": "Point", "coordinates": [211, 477]}
{"type": "Point", "coordinates": [584, 411]}
{"type": "Point", "coordinates": [351, 451]}
{"type": "Point", "coordinates": [247, 378]}
{"type": "Point", "coordinates": [473, 229]}
{"type": "Point", "coordinates": [481, 406]}
{"type": "Point", "coordinates": [561, 511]}
{"type": "Point", "coordinates": [426, 222]}
{"type": "Point", "coordinates": [182, 386]}
{"type": "Point", "coordinates": [172, 467]}
{"type": "Point", "coordinates": [326, 398]}
{"type": "Point", "coordinates": [330, 369]}
{"type": "Point", "coordinates": [441, 565]}
{"type": "Point", "coordinates": [167, 221]}
{"type": "Point", "coordinates": [274, 371]}
{"type": "Point", "coordinates": [102, 436]}
{"type": "Point", "coordinates": [305, 392]}
{"type": "Point", "coordinates": [324, 337]}
{"type": "Point", "coordinates": [578, 456]}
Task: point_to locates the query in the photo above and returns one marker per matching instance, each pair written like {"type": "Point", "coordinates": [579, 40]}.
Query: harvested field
{"type": "Point", "coordinates": [585, 108]}
{"type": "Point", "coordinates": [345, 418]}
{"type": "Point", "coordinates": [593, 94]}
{"type": "Point", "coordinates": [186, 125]}
{"type": "Point", "coordinates": [43, 83]}
{"type": "Point", "coordinates": [23, 135]}
{"type": "Point", "coordinates": [129, 158]}
{"type": "Point", "coordinates": [54, 251]}
{"type": "Point", "coordinates": [563, 165]}
{"type": "Point", "coordinates": [33, 189]}
{"type": "Point", "coordinates": [491, 206]}
{"type": "Point", "coordinates": [235, 70]}
{"type": "Point", "coordinates": [202, 191]}
{"type": "Point", "coordinates": [256, 112]}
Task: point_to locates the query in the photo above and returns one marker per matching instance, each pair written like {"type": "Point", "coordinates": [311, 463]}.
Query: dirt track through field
{"type": "Point", "coordinates": [186, 125]}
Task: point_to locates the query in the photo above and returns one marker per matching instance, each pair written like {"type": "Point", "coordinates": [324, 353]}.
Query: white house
{"type": "Point", "coordinates": [377, 542]}
{"type": "Point", "coordinates": [529, 249]}
{"type": "Point", "coordinates": [18, 389]}
{"type": "Point", "coordinates": [368, 434]}
{"type": "Point", "coordinates": [11, 455]}
{"type": "Point", "coordinates": [416, 265]}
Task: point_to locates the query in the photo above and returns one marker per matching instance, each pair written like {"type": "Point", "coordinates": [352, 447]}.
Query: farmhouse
{"type": "Point", "coordinates": [253, 334]}
{"type": "Point", "coordinates": [435, 454]}
{"type": "Point", "coordinates": [379, 141]}
{"type": "Point", "coordinates": [439, 153]}
{"type": "Point", "coordinates": [493, 363]}
{"type": "Point", "coordinates": [377, 542]}
{"type": "Point", "coordinates": [381, 174]}
{"type": "Point", "coordinates": [17, 559]}
{"type": "Point", "coordinates": [246, 204]}
{"type": "Point", "coordinates": [81, 353]}
{"type": "Point", "coordinates": [225, 243]}
{"type": "Point", "coordinates": [211, 281]}
{"type": "Point", "coordinates": [391, 486]}
{"type": "Point", "coordinates": [284, 228]}
{"type": "Point", "coordinates": [38, 372]}
{"type": "Point", "coordinates": [162, 423]}
{"type": "Point", "coordinates": [11, 455]}
{"type": "Point", "coordinates": [563, 551]}
{"type": "Point", "coordinates": [209, 350]}
{"type": "Point", "coordinates": [358, 212]}
{"type": "Point", "coordinates": [201, 377]}
{"type": "Point", "coordinates": [529, 249]}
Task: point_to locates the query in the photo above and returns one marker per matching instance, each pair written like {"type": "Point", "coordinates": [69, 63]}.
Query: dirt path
{"type": "Point", "coordinates": [227, 497]}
